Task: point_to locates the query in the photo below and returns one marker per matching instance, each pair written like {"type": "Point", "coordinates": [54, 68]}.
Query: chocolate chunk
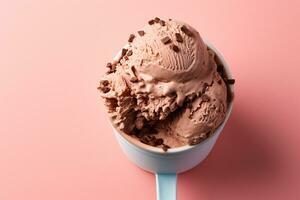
{"type": "Point", "coordinates": [133, 79]}
{"type": "Point", "coordinates": [151, 22]}
{"type": "Point", "coordinates": [165, 147]}
{"type": "Point", "coordinates": [156, 19]}
{"type": "Point", "coordinates": [186, 31]}
{"type": "Point", "coordinates": [220, 81]}
{"type": "Point", "coordinates": [124, 52]}
{"type": "Point", "coordinates": [162, 22]}
{"type": "Point", "coordinates": [175, 48]}
{"type": "Point", "coordinates": [166, 40]}
{"type": "Point", "coordinates": [129, 53]}
{"type": "Point", "coordinates": [230, 81]}
{"type": "Point", "coordinates": [178, 37]}
{"type": "Point", "coordinates": [141, 33]}
{"type": "Point", "coordinates": [131, 37]}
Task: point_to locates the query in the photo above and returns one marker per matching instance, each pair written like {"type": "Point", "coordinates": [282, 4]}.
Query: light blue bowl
{"type": "Point", "coordinates": [166, 165]}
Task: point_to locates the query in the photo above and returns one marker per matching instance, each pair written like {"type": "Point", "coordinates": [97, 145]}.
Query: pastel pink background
{"type": "Point", "coordinates": [55, 142]}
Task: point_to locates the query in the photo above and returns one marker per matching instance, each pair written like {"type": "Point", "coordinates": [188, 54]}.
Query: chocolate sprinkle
{"type": "Point", "coordinates": [151, 22]}
{"type": "Point", "coordinates": [162, 22]}
{"type": "Point", "coordinates": [175, 48]}
{"type": "Point", "coordinates": [141, 33]}
{"type": "Point", "coordinates": [131, 37]}
{"type": "Point", "coordinates": [156, 19]}
{"type": "Point", "coordinates": [166, 40]}
{"type": "Point", "coordinates": [178, 37]}
{"type": "Point", "coordinates": [186, 31]}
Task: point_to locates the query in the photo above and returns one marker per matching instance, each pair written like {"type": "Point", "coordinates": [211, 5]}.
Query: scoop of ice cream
{"type": "Point", "coordinates": [170, 57]}
{"type": "Point", "coordinates": [163, 75]}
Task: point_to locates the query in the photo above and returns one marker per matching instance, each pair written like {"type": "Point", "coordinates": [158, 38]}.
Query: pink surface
{"type": "Point", "coordinates": [56, 144]}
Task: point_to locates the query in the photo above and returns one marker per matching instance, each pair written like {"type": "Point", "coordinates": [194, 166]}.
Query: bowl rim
{"type": "Point", "coordinates": [176, 150]}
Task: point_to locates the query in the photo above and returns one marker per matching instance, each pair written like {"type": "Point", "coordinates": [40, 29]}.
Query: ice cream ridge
{"type": "Point", "coordinates": [164, 88]}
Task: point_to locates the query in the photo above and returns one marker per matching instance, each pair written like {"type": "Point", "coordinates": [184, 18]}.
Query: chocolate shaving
{"type": "Point", "coordinates": [133, 79]}
{"type": "Point", "coordinates": [109, 65]}
{"type": "Point", "coordinates": [131, 37]}
{"type": "Point", "coordinates": [133, 70]}
{"type": "Point", "coordinates": [166, 40]}
{"type": "Point", "coordinates": [141, 33]}
{"type": "Point", "coordinates": [175, 48]}
{"type": "Point", "coordinates": [111, 68]}
{"type": "Point", "coordinates": [151, 22]}
{"type": "Point", "coordinates": [150, 140]}
{"type": "Point", "coordinates": [124, 52]}
{"type": "Point", "coordinates": [221, 71]}
{"type": "Point", "coordinates": [104, 86]}
{"type": "Point", "coordinates": [178, 37]}
{"type": "Point", "coordinates": [186, 31]}
{"type": "Point", "coordinates": [230, 81]}
{"type": "Point", "coordinates": [144, 140]}
{"type": "Point", "coordinates": [162, 22]}
{"type": "Point", "coordinates": [165, 147]}
{"type": "Point", "coordinates": [129, 53]}
{"type": "Point", "coordinates": [104, 89]}
{"type": "Point", "coordinates": [104, 82]}
{"type": "Point", "coordinates": [156, 19]}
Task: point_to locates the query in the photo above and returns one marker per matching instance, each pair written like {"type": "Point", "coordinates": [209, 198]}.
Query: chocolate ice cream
{"type": "Point", "coordinates": [163, 88]}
